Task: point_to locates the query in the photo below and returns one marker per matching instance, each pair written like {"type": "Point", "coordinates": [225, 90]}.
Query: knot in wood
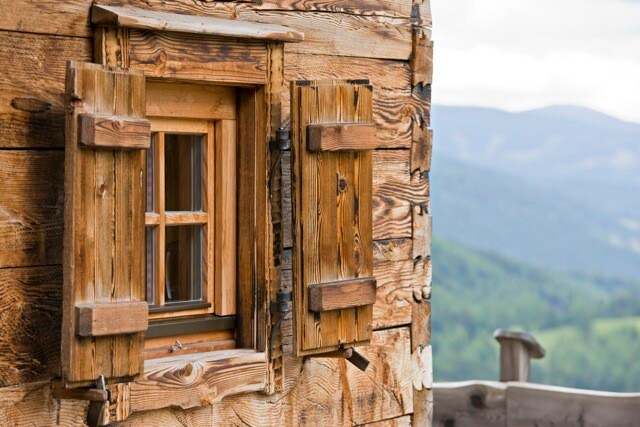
{"type": "Point", "coordinates": [342, 185]}
{"type": "Point", "coordinates": [187, 370]}
{"type": "Point", "coordinates": [102, 188]}
{"type": "Point", "coordinates": [118, 124]}
{"type": "Point", "coordinates": [477, 401]}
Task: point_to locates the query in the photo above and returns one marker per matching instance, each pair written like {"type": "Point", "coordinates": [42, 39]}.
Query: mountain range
{"type": "Point", "coordinates": [556, 187]}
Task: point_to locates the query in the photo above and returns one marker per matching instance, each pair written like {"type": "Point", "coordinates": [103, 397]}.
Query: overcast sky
{"type": "Point", "coordinates": [523, 54]}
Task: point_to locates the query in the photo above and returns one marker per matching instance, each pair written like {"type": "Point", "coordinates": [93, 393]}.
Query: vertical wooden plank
{"type": "Point", "coordinates": [246, 216]}
{"type": "Point", "coordinates": [225, 218]}
{"type": "Point", "coordinates": [261, 180]}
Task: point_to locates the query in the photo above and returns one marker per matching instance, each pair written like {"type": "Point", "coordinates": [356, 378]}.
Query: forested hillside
{"type": "Point", "coordinates": [586, 323]}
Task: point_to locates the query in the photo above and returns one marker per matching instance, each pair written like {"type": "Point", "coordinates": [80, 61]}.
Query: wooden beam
{"type": "Point", "coordinates": [97, 130]}
{"type": "Point", "coordinates": [341, 136]}
{"type": "Point", "coordinates": [342, 294]}
{"type": "Point", "coordinates": [103, 319]}
{"type": "Point", "coordinates": [160, 21]}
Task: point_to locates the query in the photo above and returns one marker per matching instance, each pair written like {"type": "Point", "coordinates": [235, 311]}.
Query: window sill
{"type": "Point", "coordinates": [193, 380]}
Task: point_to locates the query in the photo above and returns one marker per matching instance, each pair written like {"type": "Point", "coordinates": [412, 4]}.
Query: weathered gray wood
{"type": "Point", "coordinates": [516, 351]}
{"type": "Point", "coordinates": [129, 17]}
{"type": "Point", "coordinates": [485, 403]}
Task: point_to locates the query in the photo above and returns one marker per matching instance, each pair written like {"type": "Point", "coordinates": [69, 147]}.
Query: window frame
{"type": "Point", "coordinates": [181, 108]}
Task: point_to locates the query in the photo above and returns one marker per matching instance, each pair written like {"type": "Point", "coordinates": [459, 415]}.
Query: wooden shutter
{"type": "Point", "coordinates": [104, 308]}
{"type": "Point", "coordinates": [332, 141]}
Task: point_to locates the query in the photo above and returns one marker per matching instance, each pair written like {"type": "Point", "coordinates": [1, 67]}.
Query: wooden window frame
{"type": "Point", "coordinates": [258, 79]}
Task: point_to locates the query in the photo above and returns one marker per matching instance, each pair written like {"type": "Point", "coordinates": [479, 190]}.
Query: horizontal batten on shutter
{"type": "Point", "coordinates": [113, 131]}
{"type": "Point", "coordinates": [341, 136]}
{"type": "Point", "coordinates": [102, 319]}
{"type": "Point", "coordinates": [342, 294]}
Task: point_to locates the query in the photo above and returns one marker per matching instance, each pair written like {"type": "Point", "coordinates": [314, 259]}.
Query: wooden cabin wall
{"type": "Point", "coordinates": [374, 39]}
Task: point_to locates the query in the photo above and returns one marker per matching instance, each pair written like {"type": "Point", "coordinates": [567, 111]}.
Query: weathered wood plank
{"type": "Point", "coordinates": [393, 8]}
{"type": "Point", "coordinates": [94, 320]}
{"type": "Point", "coordinates": [341, 137]}
{"type": "Point", "coordinates": [145, 19]}
{"type": "Point", "coordinates": [399, 284]}
{"type": "Point", "coordinates": [32, 115]}
{"type": "Point", "coordinates": [317, 391]}
{"type": "Point", "coordinates": [33, 405]}
{"type": "Point", "coordinates": [113, 131]}
{"type": "Point", "coordinates": [189, 381]}
{"type": "Point", "coordinates": [191, 101]}
{"type": "Point", "coordinates": [404, 421]}
{"type": "Point", "coordinates": [471, 403]}
{"type": "Point", "coordinates": [342, 294]}
{"type": "Point", "coordinates": [326, 33]}
{"type": "Point", "coordinates": [393, 105]}
{"type": "Point", "coordinates": [30, 314]}
{"type": "Point", "coordinates": [198, 57]}
{"type": "Point", "coordinates": [32, 199]}
{"type": "Point", "coordinates": [395, 192]}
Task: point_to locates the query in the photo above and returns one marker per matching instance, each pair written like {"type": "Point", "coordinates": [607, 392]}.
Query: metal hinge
{"type": "Point", "coordinates": [282, 305]}
{"type": "Point", "coordinates": [98, 398]}
{"type": "Point", "coordinates": [280, 144]}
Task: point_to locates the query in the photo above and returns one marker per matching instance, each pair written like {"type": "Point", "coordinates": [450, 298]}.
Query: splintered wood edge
{"type": "Point", "coordinates": [103, 319]}
{"type": "Point", "coordinates": [130, 17]}
{"type": "Point", "coordinates": [342, 294]}
{"type": "Point", "coordinates": [341, 136]}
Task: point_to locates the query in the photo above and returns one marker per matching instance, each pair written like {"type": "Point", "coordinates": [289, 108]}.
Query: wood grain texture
{"type": "Point", "coordinates": [395, 192]}
{"type": "Point", "coordinates": [225, 217]}
{"type": "Point", "coordinates": [113, 131]}
{"type": "Point", "coordinates": [31, 207]}
{"type": "Point", "coordinates": [95, 320]}
{"type": "Point", "coordinates": [392, 8]}
{"type": "Point", "coordinates": [127, 17]}
{"type": "Point", "coordinates": [33, 404]}
{"type": "Point", "coordinates": [341, 137]}
{"type": "Point", "coordinates": [325, 33]}
{"type": "Point", "coordinates": [421, 147]}
{"type": "Point", "coordinates": [313, 389]}
{"type": "Point", "coordinates": [334, 238]}
{"type": "Point", "coordinates": [421, 232]}
{"type": "Point", "coordinates": [198, 57]}
{"type": "Point", "coordinates": [481, 404]}
{"type": "Point", "coordinates": [404, 421]}
{"type": "Point", "coordinates": [104, 223]}
{"type": "Point", "coordinates": [73, 16]}
{"type": "Point", "coordinates": [188, 381]}
{"type": "Point", "coordinates": [30, 314]}
{"type": "Point", "coordinates": [399, 284]}
{"type": "Point", "coordinates": [421, 58]}
{"type": "Point", "coordinates": [342, 294]}
{"type": "Point", "coordinates": [190, 101]}
{"type": "Point", "coordinates": [32, 115]}
{"type": "Point", "coordinates": [393, 105]}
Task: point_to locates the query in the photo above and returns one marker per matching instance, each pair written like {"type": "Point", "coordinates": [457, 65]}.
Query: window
{"type": "Point", "coordinates": [190, 224]}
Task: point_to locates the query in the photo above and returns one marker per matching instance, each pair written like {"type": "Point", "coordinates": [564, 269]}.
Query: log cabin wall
{"type": "Point", "coordinates": [386, 41]}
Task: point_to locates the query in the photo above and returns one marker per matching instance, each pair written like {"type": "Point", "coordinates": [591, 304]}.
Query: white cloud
{"type": "Point", "coordinates": [520, 54]}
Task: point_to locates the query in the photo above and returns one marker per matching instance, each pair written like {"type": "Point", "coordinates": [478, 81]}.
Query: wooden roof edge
{"type": "Point", "coordinates": [130, 17]}
{"type": "Point", "coordinates": [535, 349]}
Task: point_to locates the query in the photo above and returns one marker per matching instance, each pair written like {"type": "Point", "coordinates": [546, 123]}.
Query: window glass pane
{"type": "Point", "coordinates": [183, 262]}
{"type": "Point", "coordinates": [149, 176]}
{"type": "Point", "coordinates": [183, 172]}
{"type": "Point", "coordinates": [149, 277]}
